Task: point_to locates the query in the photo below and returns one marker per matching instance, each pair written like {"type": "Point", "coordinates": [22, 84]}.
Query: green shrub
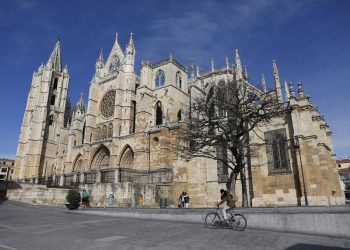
{"type": "Point", "coordinates": [73, 196]}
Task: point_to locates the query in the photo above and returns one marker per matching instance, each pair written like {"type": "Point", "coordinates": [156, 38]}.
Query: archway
{"type": "Point", "coordinates": [100, 159]}
{"type": "Point", "coordinates": [77, 166]}
{"type": "Point", "coordinates": [127, 158]}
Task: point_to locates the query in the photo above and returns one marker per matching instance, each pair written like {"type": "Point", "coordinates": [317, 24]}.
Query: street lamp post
{"type": "Point", "coordinates": [297, 146]}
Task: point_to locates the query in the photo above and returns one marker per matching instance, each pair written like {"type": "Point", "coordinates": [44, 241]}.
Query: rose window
{"type": "Point", "coordinates": [107, 104]}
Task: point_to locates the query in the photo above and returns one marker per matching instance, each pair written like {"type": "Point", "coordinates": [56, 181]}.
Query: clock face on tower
{"type": "Point", "coordinates": [107, 104]}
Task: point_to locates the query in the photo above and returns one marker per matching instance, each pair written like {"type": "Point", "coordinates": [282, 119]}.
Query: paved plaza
{"type": "Point", "coordinates": [24, 226]}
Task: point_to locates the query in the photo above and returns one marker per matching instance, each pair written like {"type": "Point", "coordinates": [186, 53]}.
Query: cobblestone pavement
{"type": "Point", "coordinates": [24, 226]}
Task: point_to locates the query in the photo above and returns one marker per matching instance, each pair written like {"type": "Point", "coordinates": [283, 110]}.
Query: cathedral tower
{"type": "Point", "coordinates": [45, 114]}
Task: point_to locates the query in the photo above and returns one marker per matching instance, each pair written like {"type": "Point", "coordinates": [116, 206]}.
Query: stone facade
{"type": "Point", "coordinates": [123, 140]}
{"type": "Point", "coordinates": [6, 169]}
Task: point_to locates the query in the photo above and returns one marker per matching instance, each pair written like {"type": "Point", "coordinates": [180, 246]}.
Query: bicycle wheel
{"type": "Point", "coordinates": [238, 222]}
{"type": "Point", "coordinates": [212, 220]}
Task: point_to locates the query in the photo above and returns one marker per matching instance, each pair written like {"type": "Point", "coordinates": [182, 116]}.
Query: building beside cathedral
{"type": "Point", "coordinates": [120, 141]}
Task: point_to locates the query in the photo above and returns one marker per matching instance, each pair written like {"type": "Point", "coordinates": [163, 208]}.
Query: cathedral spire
{"type": "Point", "coordinates": [198, 72]}
{"type": "Point", "coordinates": [246, 72]}
{"type": "Point", "coordinates": [277, 82]}
{"type": "Point", "coordinates": [80, 105]}
{"type": "Point", "coordinates": [239, 70]}
{"type": "Point", "coordinates": [227, 63]}
{"type": "Point", "coordinates": [170, 56]}
{"type": "Point", "coordinates": [131, 41]}
{"type": "Point", "coordinates": [100, 57]}
{"type": "Point", "coordinates": [300, 90]}
{"type": "Point", "coordinates": [100, 63]}
{"type": "Point", "coordinates": [291, 89]}
{"type": "Point", "coordinates": [54, 61]}
{"type": "Point", "coordinates": [192, 71]}
{"type": "Point", "coordinates": [286, 90]}
{"type": "Point", "coordinates": [263, 83]}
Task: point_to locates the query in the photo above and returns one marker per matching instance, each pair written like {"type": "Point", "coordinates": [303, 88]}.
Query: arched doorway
{"type": "Point", "coordinates": [127, 158]}
{"type": "Point", "coordinates": [100, 159]}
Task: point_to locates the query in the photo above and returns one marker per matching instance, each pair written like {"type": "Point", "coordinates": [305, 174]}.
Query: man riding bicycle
{"type": "Point", "coordinates": [230, 200]}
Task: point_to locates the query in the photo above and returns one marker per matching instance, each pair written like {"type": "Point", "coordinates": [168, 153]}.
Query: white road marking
{"type": "Point", "coordinates": [7, 247]}
{"type": "Point", "coordinates": [111, 238]}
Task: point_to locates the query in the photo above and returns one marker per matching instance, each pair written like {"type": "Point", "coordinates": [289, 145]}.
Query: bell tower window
{"type": "Point", "coordinates": [53, 99]}
{"type": "Point", "coordinates": [160, 79]}
{"type": "Point", "coordinates": [159, 113]}
{"type": "Point", "coordinates": [51, 120]}
{"type": "Point", "coordinates": [54, 87]}
{"type": "Point", "coordinates": [178, 79]}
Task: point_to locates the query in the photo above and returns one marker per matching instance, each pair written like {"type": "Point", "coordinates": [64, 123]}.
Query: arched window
{"type": "Point", "coordinates": [159, 113]}
{"type": "Point", "coordinates": [179, 115]}
{"type": "Point", "coordinates": [104, 132]}
{"type": "Point", "coordinates": [83, 135]}
{"type": "Point", "coordinates": [277, 151]}
{"type": "Point", "coordinates": [110, 130]}
{"type": "Point", "coordinates": [90, 137]}
{"type": "Point", "coordinates": [75, 143]}
{"type": "Point", "coordinates": [54, 87]}
{"type": "Point", "coordinates": [178, 79]}
{"type": "Point", "coordinates": [210, 102]}
{"type": "Point", "coordinates": [51, 120]}
{"type": "Point", "coordinates": [160, 79]}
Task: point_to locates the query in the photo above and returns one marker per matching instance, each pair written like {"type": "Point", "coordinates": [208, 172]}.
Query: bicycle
{"type": "Point", "coordinates": [235, 220]}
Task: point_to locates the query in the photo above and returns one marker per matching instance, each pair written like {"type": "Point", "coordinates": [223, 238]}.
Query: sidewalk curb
{"type": "Point", "coordinates": [278, 226]}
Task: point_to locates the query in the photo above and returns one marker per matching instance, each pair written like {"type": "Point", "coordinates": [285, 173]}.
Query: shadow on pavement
{"type": "Point", "coordinates": [302, 246]}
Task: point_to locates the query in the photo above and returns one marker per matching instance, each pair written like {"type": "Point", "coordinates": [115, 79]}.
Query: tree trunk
{"type": "Point", "coordinates": [244, 189]}
{"type": "Point", "coordinates": [231, 182]}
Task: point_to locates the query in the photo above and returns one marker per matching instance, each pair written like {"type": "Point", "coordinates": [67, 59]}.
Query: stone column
{"type": "Point", "coordinates": [98, 176]}
{"type": "Point", "coordinates": [116, 175]}
{"type": "Point", "coordinates": [82, 178]}
{"type": "Point", "coordinates": [61, 180]}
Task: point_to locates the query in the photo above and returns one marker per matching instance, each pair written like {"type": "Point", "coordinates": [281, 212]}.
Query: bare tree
{"type": "Point", "coordinates": [221, 119]}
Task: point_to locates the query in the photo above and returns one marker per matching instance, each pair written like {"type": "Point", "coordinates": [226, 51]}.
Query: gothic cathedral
{"type": "Point", "coordinates": [121, 140]}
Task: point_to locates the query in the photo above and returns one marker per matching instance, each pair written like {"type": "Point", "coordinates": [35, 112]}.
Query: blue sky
{"type": "Point", "coordinates": [309, 39]}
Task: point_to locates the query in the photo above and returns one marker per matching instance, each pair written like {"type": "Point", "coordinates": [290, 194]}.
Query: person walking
{"type": "Point", "coordinates": [111, 199]}
{"type": "Point", "coordinates": [182, 199]}
{"type": "Point", "coordinates": [141, 200]}
{"type": "Point", "coordinates": [85, 198]}
{"type": "Point", "coordinates": [186, 200]}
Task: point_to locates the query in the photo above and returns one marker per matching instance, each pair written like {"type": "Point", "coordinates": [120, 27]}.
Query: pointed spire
{"type": "Point", "coordinates": [54, 61]}
{"type": "Point", "coordinates": [277, 81]}
{"type": "Point", "coordinates": [198, 72]}
{"type": "Point", "coordinates": [246, 72]}
{"type": "Point", "coordinates": [300, 90]}
{"type": "Point", "coordinates": [80, 105]}
{"type": "Point", "coordinates": [100, 63]}
{"type": "Point", "coordinates": [192, 71]}
{"type": "Point", "coordinates": [100, 57]}
{"type": "Point", "coordinates": [263, 83]}
{"type": "Point", "coordinates": [131, 41]}
{"type": "Point", "coordinates": [239, 71]}
{"type": "Point", "coordinates": [227, 63]}
{"type": "Point", "coordinates": [286, 89]}
{"type": "Point", "coordinates": [116, 37]}
{"type": "Point", "coordinates": [212, 64]}
{"type": "Point", "coordinates": [65, 70]}
{"type": "Point", "coordinates": [170, 56]}
{"type": "Point", "coordinates": [291, 89]}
